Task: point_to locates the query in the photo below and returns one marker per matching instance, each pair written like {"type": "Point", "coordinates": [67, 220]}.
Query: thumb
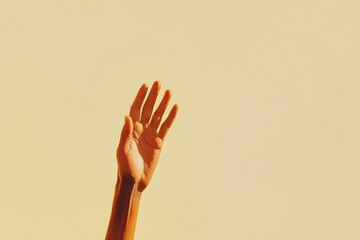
{"type": "Point", "coordinates": [127, 130]}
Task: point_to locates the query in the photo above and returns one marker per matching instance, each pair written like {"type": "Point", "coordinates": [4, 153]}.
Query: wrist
{"type": "Point", "coordinates": [128, 176]}
{"type": "Point", "coordinates": [129, 185]}
{"type": "Point", "coordinates": [124, 209]}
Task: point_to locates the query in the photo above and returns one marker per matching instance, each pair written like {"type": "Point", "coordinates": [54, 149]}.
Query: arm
{"type": "Point", "coordinates": [137, 155]}
{"type": "Point", "coordinates": [124, 210]}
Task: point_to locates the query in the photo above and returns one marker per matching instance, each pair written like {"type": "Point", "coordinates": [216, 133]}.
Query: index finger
{"type": "Point", "coordinates": [136, 105]}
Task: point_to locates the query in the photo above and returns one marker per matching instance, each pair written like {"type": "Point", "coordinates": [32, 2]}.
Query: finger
{"type": "Point", "coordinates": [126, 132]}
{"type": "Point", "coordinates": [157, 116]}
{"type": "Point", "coordinates": [136, 105]}
{"type": "Point", "coordinates": [149, 103]}
{"type": "Point", "coordinates": [165, 127]}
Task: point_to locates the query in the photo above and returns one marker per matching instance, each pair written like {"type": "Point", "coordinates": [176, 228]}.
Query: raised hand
{"type": "Point", "coordinates": [143, 135]}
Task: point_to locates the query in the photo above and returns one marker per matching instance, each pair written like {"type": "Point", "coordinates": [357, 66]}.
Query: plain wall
{"type": "Point", "coordinates": [267, 140]}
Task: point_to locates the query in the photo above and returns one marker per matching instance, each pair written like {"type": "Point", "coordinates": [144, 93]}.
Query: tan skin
{"type": "Point", "coordinates": [137, 155]}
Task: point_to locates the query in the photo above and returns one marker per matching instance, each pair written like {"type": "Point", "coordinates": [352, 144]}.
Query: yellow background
{"type": "Point", "coordinates": [267, 140]}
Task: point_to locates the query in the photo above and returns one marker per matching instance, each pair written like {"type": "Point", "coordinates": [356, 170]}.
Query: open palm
{"type": "Point", "coordinates": [142, 136]}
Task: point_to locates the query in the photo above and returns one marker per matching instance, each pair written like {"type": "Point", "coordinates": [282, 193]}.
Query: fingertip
{"type": "Point", "coordinates": [156, 86]}
{"type": "Point", "coordinates": [127, 119]}
{"type": "Point", "coordinates": [168, 93]}
{"type": "Point", "coordinates": [157, 82]}
{"type": "Point", "coordinates": [142, 91]}
{"type": "Point", "coordinates": [175, 110]}
{"type": "Point", "coordinates": [144, 87]}
{"type": "Point", "coordinates": [127, 129]}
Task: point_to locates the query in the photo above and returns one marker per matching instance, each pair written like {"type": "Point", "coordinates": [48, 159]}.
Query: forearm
{"type": "Point", "coordinates": [124, 211]}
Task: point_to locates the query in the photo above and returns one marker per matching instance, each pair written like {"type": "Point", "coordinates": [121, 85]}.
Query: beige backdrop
{"type": "Point", "coordinates": [267, 140]}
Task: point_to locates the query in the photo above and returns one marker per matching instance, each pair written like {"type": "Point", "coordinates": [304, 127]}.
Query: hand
{"type": "Point", "coordinates": [142, 136]}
